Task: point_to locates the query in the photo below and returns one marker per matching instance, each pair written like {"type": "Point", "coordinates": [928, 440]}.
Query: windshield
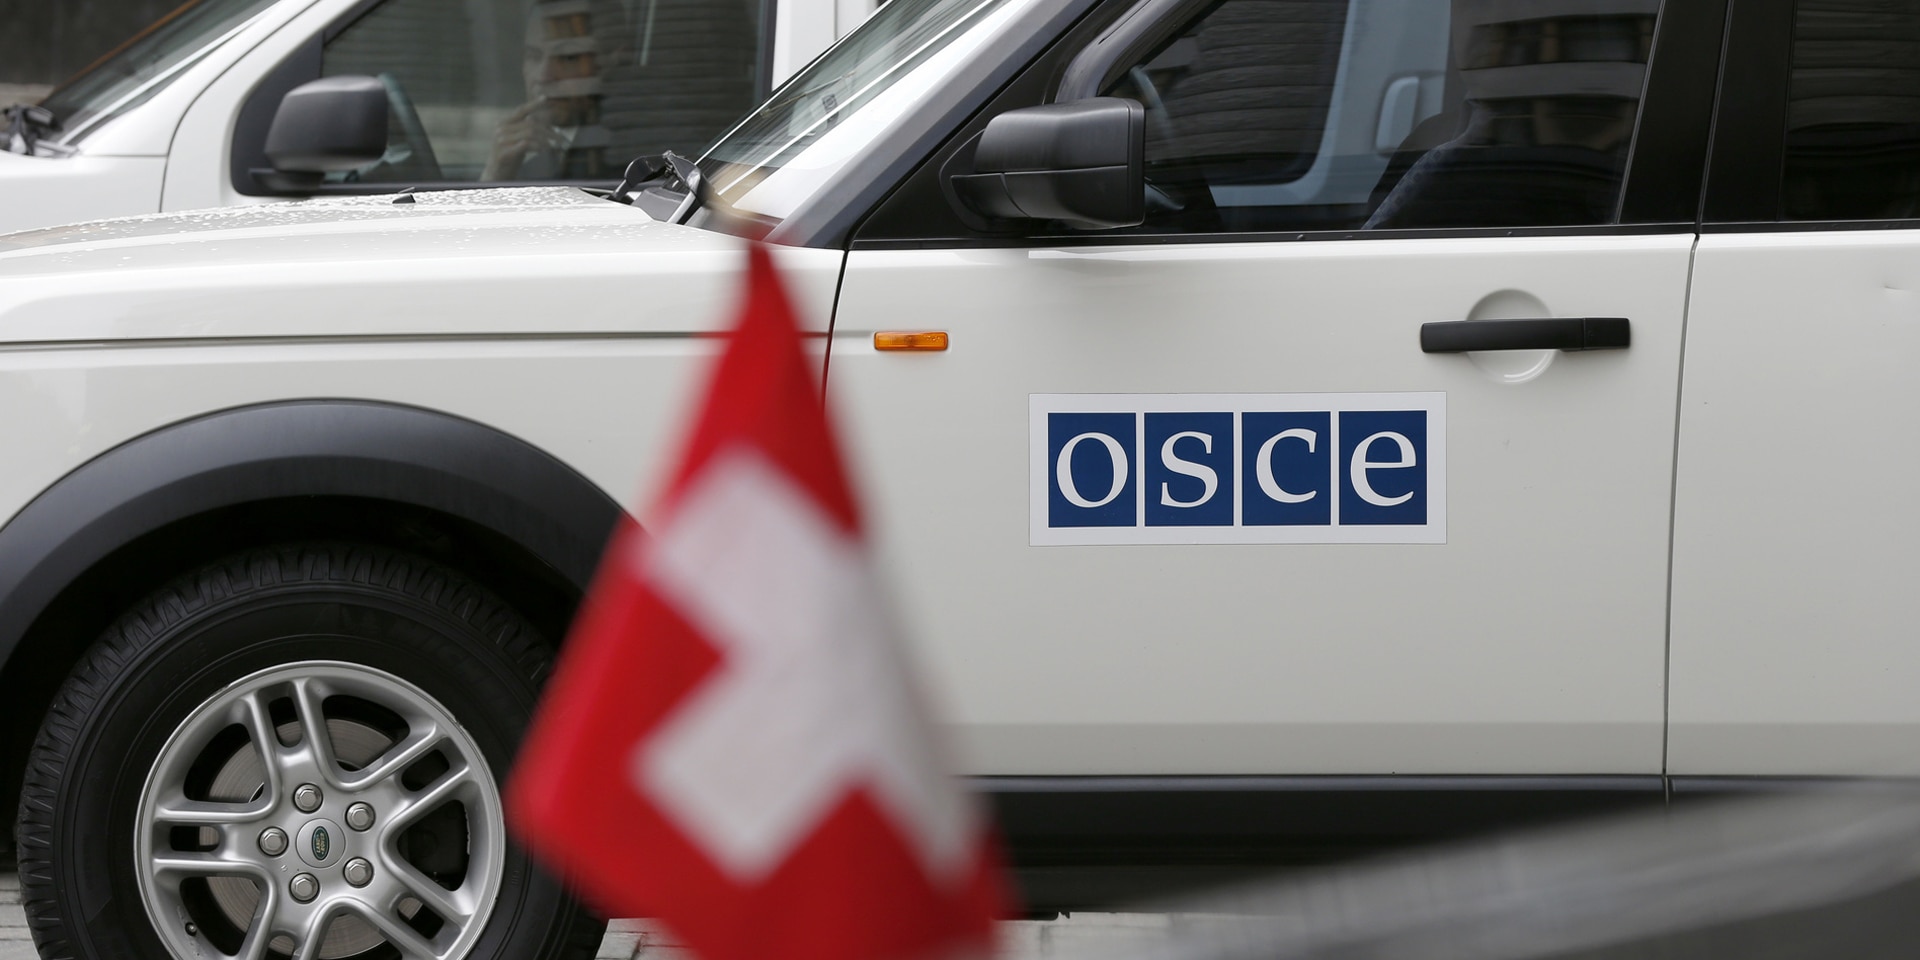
{"type": "Point", "coordinates": [146, 63]}
{"type": "Point", "coordinates": [821, 118]}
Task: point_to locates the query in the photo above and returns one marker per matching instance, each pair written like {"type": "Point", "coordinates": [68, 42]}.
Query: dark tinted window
{"type": "Point", "coordinates": [1268, 115]}
{"type": "Point", "coordinates": [1853, 112]}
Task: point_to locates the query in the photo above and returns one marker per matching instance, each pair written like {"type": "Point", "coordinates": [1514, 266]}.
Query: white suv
{"type": "Point", "coordinates": [1311, 462]}
{"type": "Point", "coordinates": [500, 91]}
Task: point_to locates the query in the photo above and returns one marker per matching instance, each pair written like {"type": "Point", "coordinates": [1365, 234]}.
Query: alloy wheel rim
{"type": "Point", "coordinates": [240, 777]}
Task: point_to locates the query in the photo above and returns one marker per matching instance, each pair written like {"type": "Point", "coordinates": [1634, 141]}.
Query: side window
{"type": "Point", "coordinates": [519, 90]}
{"type": "Point", "coordinates": [1278, 115]}
{"type": "Point", "coordinates": [1853, 112]}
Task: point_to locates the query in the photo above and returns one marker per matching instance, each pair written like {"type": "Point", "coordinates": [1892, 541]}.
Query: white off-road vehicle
{"type": "Point", "coordinates": [1309, 461]}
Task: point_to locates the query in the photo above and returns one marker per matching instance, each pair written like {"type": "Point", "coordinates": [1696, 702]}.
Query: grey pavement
{"type": "Point", "coordinates": [639, 940]}
{"type": "Point", "coordinates": [1019, 940]}
{"type": "Point", "coordinates": [15, 943]}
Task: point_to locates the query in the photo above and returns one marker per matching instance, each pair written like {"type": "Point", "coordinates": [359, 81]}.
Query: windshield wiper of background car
{"type": "Point", "coordinates": [668, 187]}
{"type": "Point", "coordinates": [671, 188]}
{"type": "Point", "coordinates": [27, 125]}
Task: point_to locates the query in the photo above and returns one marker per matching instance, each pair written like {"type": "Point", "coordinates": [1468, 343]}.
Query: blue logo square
{"type": "Point", "coordinates": [1286, 463]}
{"type": "Point", "coordinates": [1090, 480]}
{"type": "Point", "coordinates": [1189, 469]}
{"type": "Point", "coordinates": [1383, 467]}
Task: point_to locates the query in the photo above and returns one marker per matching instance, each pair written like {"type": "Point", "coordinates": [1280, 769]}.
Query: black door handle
{"type": "Point", "coordinates": [1558, 333]}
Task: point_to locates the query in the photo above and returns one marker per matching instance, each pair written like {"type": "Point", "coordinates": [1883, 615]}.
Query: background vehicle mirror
{"type": "Point", "coordinates": [328, 125]}
{"type": "Point", "coordinates": [1081, 162]}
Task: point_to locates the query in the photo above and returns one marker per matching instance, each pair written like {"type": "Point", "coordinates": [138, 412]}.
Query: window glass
{"type": "Point", "coordinates": [147, 63]}
{"type": "Point", "coordinates": [506, 90]}
{"type": "Point", "coordinates": [1853, 112]}
{"type": "Point", "coordinates": [816, 121]}
{"type": "Point", "coordinates": [1391, 114]}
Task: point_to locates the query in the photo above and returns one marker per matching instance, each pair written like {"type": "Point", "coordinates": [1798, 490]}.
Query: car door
{"type": "Point", "coordinates": [1793, 627]}
{"type": "Point", "coordinates": [1189, 498]}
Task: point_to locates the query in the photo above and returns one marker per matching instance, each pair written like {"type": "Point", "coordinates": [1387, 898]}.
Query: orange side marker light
{"type": "Point", "coordinates": [923, 340]}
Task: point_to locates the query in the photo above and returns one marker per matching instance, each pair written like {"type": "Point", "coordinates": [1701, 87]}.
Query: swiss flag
{"type": "Point", "coordinates": [731, 742]}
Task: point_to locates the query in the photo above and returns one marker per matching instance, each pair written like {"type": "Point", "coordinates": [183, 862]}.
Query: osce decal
{"type": "Point", "coordinates": [1239, 468]}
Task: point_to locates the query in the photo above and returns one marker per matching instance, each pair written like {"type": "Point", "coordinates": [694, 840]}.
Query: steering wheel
{"type": "Point", "coordinates": [417, 162]}
{"type": "Point", "coordinates": [1167, 198]}
{"type": "Point", "coordinates": [1159, 123]}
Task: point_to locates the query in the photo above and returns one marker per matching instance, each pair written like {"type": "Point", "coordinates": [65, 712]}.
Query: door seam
{"type": "Point", "coordinates": [1673, 514]}
{"type": "Point", "coordinates": [833, 318]}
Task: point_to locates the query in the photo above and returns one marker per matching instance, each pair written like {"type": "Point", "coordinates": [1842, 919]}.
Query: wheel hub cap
{"type": "Point", "coordinates": [322, 843]}
{"type": "Point", "coordinates": [215, 879]}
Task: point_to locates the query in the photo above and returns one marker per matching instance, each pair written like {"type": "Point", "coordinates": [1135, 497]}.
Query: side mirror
{"type": "Point", "coordinates": [331, 124]}
{"type": "Point", "coordinates": [1081, 162]}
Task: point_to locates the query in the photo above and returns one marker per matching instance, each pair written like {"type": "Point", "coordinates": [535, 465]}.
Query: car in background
{"type": "Point", "coordinates": [496, 91]}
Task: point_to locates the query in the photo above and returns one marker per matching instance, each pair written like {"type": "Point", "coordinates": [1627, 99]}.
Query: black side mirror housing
{"type": "Point", "coordinates": [1083, 163]}
{"type": "Point", "coordinates": [330, 124]}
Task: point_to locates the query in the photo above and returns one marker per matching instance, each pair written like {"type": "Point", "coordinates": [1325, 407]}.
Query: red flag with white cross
{"type": "Point", "coordinates": [732, 742]}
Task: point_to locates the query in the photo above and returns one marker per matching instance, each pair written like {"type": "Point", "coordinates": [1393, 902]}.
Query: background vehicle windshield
{"type": "Point", "coordinates": [146, 63]}
{"type": "Point", "coordinates": [842, 101]}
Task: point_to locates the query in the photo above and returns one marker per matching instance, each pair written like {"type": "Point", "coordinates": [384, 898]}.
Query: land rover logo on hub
{"type": "Point", "coordinates": [321, 843]}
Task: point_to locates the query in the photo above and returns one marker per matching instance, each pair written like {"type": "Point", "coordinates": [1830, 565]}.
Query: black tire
{"type": "Point", "coordinates": [370, 607]}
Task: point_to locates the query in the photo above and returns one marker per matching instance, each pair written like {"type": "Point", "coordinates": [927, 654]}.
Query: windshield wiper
{"type": "Point", "coordinates": [26, 125]}
{"type": "Point", "coordinates": [670, 171]}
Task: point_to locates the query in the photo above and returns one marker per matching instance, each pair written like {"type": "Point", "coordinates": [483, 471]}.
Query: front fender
{"type": "Point", "coordinates": [340, 448]}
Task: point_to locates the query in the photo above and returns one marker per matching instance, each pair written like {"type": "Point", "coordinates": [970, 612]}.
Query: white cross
{"type": "Point", "coordinates": [811, 700]}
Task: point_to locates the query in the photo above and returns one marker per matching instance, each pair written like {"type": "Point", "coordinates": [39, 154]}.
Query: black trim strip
{"type": "Point", "coordinates": [1749, 130]}
{"type": "Point", "coordinates": [1669, 161]}
{"type": "Point", "coordinates": [1136, 239]}
{"type": "Point", "coordinates": [1697, 787]}
{"type": "Point", "coordinates": [1809, 226]}
{"type": "Point", "coordinates": [1111, 819]}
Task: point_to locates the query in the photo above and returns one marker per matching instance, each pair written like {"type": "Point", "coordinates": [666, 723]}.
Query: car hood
{"type": "Point", "coordinates": [333, 216]}
{"type": "Point", "coordinates": [477, 262]}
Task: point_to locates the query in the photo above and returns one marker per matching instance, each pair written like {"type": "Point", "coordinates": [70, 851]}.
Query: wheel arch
{"type": "Point", "coordinates": [399, 475]}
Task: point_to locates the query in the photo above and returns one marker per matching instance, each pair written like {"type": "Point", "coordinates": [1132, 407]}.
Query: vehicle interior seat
{"type": "Point", "coordinates": [1425, 136]}
{"type": "Point", "coordinates": [1463, 184]}
{"type": "Point", "coordinates": [1541, 109]}
{"type": "Point", "coordinates": [1853, 132]}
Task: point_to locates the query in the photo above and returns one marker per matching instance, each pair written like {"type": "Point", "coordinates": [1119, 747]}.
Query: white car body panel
{"type": "Point", "coordinates": [1532, 641]}
{"type": "Point", "coordinates": [1793, 631]}
{"type": "Point", "coordinates": [370, 311]}
{"type": "Point", "coordinates": [41, 191]}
